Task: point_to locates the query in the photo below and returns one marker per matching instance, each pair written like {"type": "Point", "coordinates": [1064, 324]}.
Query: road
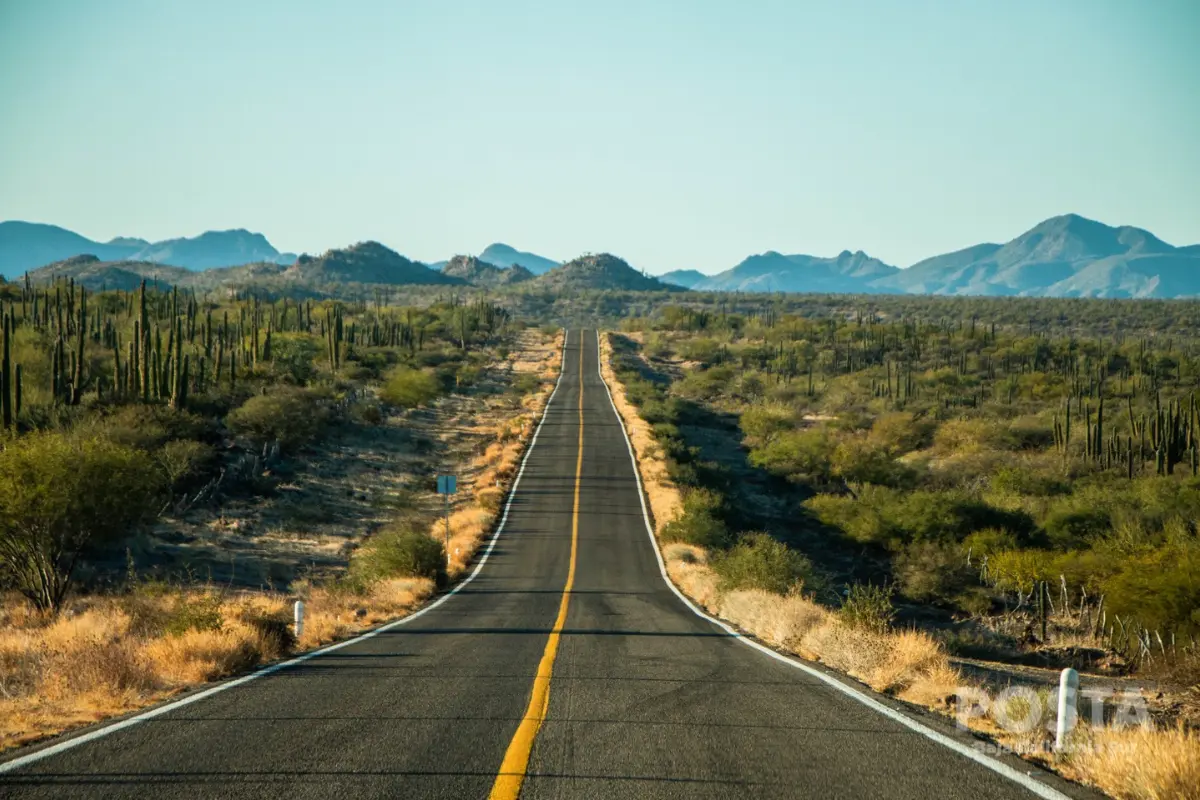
{"type": "Point", "coordinates": [638, 696]}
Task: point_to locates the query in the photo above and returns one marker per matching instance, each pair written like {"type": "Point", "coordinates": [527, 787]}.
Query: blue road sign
{"type": "Point", "coordinates": [447, 484]}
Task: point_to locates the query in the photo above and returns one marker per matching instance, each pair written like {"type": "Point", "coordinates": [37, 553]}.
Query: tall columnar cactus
{"type": "Point", "coordinates": [80, 337]}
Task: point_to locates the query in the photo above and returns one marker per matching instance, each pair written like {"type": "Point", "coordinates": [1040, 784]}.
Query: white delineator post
{"type": "Point", "coordinates": [1068, 708]}
{"type": "Point", "coordinates": [299, 617]}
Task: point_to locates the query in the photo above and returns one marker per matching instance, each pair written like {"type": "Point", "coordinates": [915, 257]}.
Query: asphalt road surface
{"type": "Point", "coordinates": [614, 689]}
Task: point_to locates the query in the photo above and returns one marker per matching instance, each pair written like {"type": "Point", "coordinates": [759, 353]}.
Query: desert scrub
{"type": "Point", "coordinates": [399, 551]}
{"type": "Point", "coordinates": [699, 523]}
{"type": "Point", "coordinates": [405, 387]}
{"type": "Point", "coordinates": [184, 461]}
{"type": "Point", "coordinates": [289, 415]}
{"type": "Point", "coordinates": [760, 562]}
{"type": "Point", "coordinates": [868, 607]}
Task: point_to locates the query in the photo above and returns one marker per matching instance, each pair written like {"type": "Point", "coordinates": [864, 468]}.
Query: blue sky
{"type": "Point", "coordinates": [675, 134]}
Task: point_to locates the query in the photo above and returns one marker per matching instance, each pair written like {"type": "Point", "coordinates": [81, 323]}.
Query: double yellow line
{"type": "Point", "coordinates": [516, 758]}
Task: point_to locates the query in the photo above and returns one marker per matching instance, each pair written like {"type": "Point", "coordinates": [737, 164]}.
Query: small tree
{"type": "Point", "coordinates": [59, 494]}
{"type": "Point", "coordinates": [406, 387]}
{"type": "Point", "coordinates": [289, 415]}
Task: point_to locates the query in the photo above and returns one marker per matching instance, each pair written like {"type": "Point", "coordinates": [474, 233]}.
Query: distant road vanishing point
{"type": "Point", "coordinates": [565, 667]}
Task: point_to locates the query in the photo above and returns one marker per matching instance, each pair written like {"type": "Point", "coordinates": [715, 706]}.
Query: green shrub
{"type": "Point", "coordinates": [1068, 528]}
{"type": "Point", "coordinates": [706, 351]}
{"type": "Point", "coordinates": [797, 455]}
{"type": "Point", "coordinates": [886, 516]}
{"type": "Point", "coordinates": [59, 494]}
{"type": "Point", "coordinates": [972, 435]}
{"type": "Point", "coordinates": [292, 356]}
{"type": "Point", "coordinates": [148, 427]}
{"type": "Point", "coordinates": [400, 551]}
{"type": "Point", "coordinates": [524, 383]}
{"type": "Point", "coordinates": [291, 416]}
{"type": "Point", "coordinates": [868, 607]}
{"type": "Point", "coordinates": [762, 423]}
{"type": "Point", "coordinates": [367, 412]}
{"type": "Point", "coordinates": [700, 523]}
{"type": "Point", "coordinates": [931, 572]}
{"type": "Point", "coordinates": [858, 460]}
{"type": "Point", "coordinates": [1029, 481]}
{"type": "Point", "coordinates": [758, 561]}
{"type": "Point", "coordinates": [900, 432]}
{"type": "Point", "coordinates": [183, 461]}
{"type": "Point", "coordinates": [406, 387]}
{"type": "Point", "coordinates": [201, 613]}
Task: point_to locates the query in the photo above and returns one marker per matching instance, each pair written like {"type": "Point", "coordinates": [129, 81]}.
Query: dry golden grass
{"type": "Point", "coordinates": [1137, 763]}
{"type": "Point", "coordinates": [103, 656]}
{"type": "Point", "coordinates": [662, 495]}
{"type": "Point", "coordinates": [783, 622]}
{"type": "Point", "coordinates": [332, 614]}
{"type": "Point", "coordinates": [687, 567]}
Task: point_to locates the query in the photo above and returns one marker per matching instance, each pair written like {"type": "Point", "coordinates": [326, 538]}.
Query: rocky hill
{"type": "Point", "coordinates": [96, 275]}
{"type": "Point", "coordinates": [602, 271]}
{"type": "Point", "coordinates": [365, 262]}
{"type": "Point", "coordinates": [481, 273]}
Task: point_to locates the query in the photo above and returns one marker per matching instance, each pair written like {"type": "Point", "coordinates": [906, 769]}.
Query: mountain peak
{"type": "Point", "coordinates": [365, 262]}
{"type": "Point", "coordinates": [602, 271]}
{"type": "Point", "coordinates": [503, 255]}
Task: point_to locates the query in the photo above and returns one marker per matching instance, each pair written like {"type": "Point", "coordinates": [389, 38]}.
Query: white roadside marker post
{"type": "Point", "coordinates": [298, 615]}
{"type": "Point", "coordinates": [1068, 709]}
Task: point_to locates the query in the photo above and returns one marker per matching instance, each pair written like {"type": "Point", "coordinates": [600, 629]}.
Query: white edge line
{"type": "Point", "coordinates": [99, 733]}
{"type": "Point", "coordinates": [1040, 789]}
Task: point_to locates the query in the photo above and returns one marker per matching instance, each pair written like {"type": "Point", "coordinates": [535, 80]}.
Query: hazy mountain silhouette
{"type": "Point", "coordinates": [504, 256]}
{"type": "Point", "coordinates": [687, 278]}
{"type": "Point", "coordinates": [1066, 256]}
{"type": "Point", "coordinates": [28, 245]}
{"type": "Point", "coordinates": [775, 272]}
{"type": "Point", "coordinates": [214, 249]}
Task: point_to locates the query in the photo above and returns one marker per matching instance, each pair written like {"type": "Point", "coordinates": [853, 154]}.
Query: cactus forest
{"type": "Point", "coordinates": [121, 405]}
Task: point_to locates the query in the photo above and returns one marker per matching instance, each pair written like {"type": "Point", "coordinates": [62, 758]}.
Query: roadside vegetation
{"type": "Point", "coordinates": [885, 484]}
{"type": "Point", "coordinates": [122, 411]}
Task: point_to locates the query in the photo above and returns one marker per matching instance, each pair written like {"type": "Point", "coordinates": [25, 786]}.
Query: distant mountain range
{"type": "Point", "coordinates": [363, 263]}
{"type": "Point", "coordinates": [28, 245]}
{"type": "Point", "coordinates": [775, 272]}
{"type": "Point", "coordinates": [1066, 256]}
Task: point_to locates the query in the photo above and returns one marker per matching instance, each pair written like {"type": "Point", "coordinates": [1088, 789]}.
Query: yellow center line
{"type": "Point", "coordinates": [516, 758]}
